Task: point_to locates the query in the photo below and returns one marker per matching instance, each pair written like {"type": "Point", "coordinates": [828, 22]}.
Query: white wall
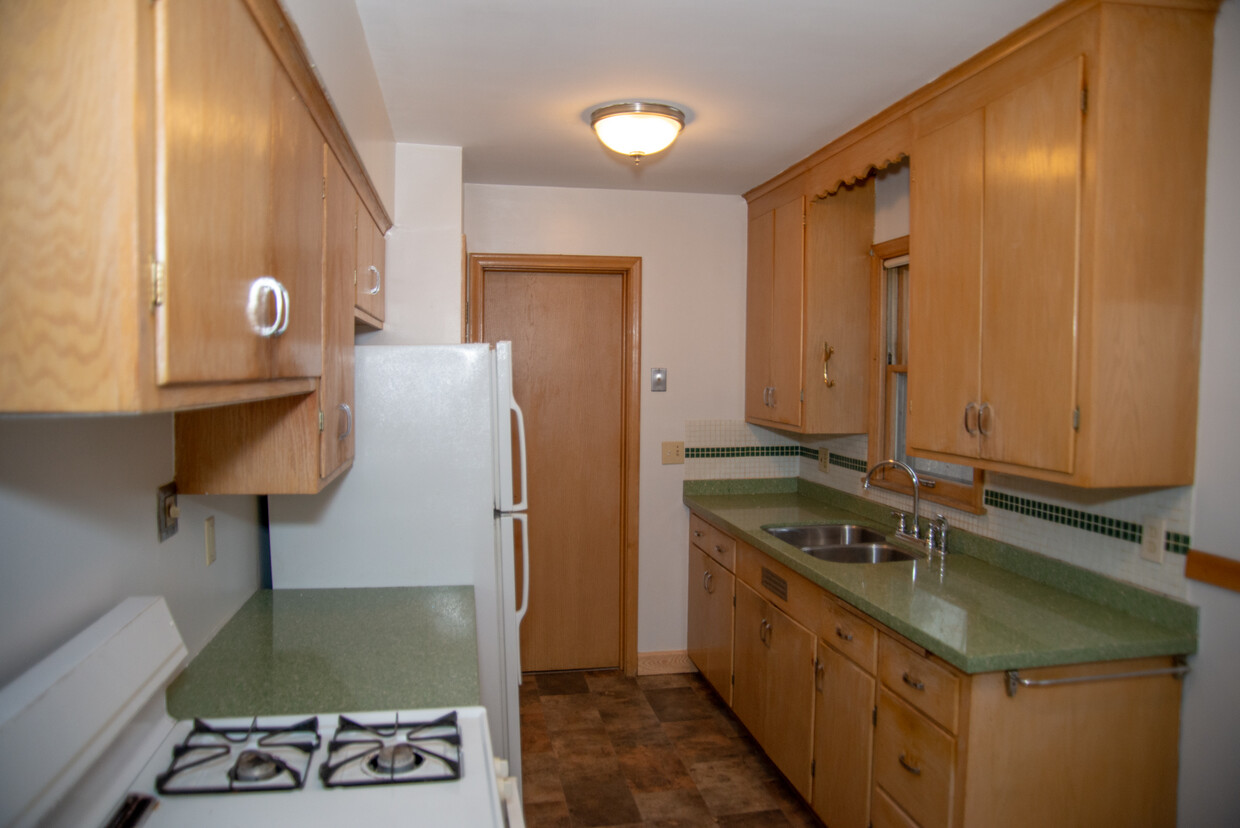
{"type": "Point", "coordinates": [333, 34]}
{"type": "Point", "coordinates": [78, 534]}
{"type": "Point", "coordinates": [423, 301]}
{"type": "Point", "coordinates": [693, 324]}
{"type": "Point", "coordinates": [1210, 739]}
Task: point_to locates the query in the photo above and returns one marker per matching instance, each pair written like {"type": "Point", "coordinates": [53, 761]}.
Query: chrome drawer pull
{"type": "Point", "coordinates": [910, 768]}
{"type": "Point", "coordinates": [912, 682]}
{"type": "Point", "coordinates": [708, 580]}
{"type": "Point", "coordinates": [840, 633]}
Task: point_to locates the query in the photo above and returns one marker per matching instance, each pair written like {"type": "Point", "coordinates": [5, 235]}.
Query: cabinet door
{"type": "Point", "coordinates": [370, 263]}
{"type": "Point", "coordinates": [788, 279]}
{"type": "Point", "coordinates": [761, 260]}
{"type": "Point", "coordinates": [789, 699]}
{"type": "Point", "coordinates": [710, 620]}
{"type": "Point", "coordinates": [1030, 261]}
{"type": "Point", "coordinates": [336, 386]}
{"type": "Point", "coordinates": [843, 741]}
{"type": "Point", "coordinates": [749, 660]}
{"type": "Point", "coordinates": [945, 287]}
{"type": "Point", "coordinates": [224, 313]}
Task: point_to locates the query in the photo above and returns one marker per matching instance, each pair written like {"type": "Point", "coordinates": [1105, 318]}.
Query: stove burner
{"type": "Point", "coordinates": [391, 760]}
{"type": "Point", "coordinates": [255, 766]}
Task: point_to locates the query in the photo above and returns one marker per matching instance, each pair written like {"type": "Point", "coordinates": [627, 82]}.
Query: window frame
{"type": "Point", "coordinates": [967, 498]}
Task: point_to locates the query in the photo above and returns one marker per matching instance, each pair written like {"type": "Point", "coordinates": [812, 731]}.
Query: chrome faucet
{"type": "Point", "coordinates": [916, 533]}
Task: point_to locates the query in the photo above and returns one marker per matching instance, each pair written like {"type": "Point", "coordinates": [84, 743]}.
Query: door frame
{"type": "Point", "coordinates": [629, 268]}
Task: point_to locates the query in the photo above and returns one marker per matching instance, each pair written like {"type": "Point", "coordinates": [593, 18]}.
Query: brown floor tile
{"type": "Point", "coordinates": [599, 796]}
{"type": "Point", "coordinates": [668, 680]}
{"type": "Point", "coordinates": [570, 712]}
{"type": "Point", "coordinates": [679, 704]}
{"type": "Point", "coordinates": [702, 740]}
{"type": "Point", "coordinates": [728, 787]}
{"type": "Point", "coordinates": [540, 779]}
{"type": "Point", "coordinates": [547, 815]}
{"type": "Point", "coordinates": [680, 807]}
{"type": "Point", "coordinates": [650, 768]}
{"type": "Point", "coordinates": [560, 684]}
{"type": "Point", "coordinates": [579, 750]}
{"type": "Point", "coordinates": [761, 819]}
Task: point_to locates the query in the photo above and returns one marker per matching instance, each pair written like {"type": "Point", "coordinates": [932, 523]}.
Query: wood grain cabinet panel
{"type": "Point", "coordinates": [843, 740]}
{"type": "Point", "coordinates": [711, 590]}
{"type": "Point", "coordinates": [370, 292]}
{"type": "Point", "coordinates": [773, 315]}
{"type": "Point", "coordinates": [1055, 251]}
{"type": "Point", "coordinates": [717, 544]}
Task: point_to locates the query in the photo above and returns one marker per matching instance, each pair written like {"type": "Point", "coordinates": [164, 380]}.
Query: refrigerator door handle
{"type": "Point", "coordinates": [525, 565]}
{"type": "Point", "coordinates": [522, 505]}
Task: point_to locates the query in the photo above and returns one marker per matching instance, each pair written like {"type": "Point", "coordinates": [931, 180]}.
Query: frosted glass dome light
{"type": "Point", "coordinates": [637, 129]}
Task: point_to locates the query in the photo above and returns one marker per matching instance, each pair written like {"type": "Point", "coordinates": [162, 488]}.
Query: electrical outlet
{"type": "Point", "coordinates": [824, 460]}
{"type": "Point", "coordinates": [673, 453]}
{"type": "Point", "coordinates": [1154, 541]}
{"type": "Point", "coordinates": [167, 511]}
{"type": "Point", "coordinates": [209, 538]}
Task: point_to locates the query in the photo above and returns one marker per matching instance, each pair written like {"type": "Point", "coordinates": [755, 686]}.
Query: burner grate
{"type": "Point", "coordinates": [393, 752]}
{"type": "Point", "coordinates": [218, 758]}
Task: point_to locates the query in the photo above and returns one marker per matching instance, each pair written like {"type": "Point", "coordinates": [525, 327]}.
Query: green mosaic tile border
{"type": "Point", "coordinates": [1100, 524]}
{"type": "Point", "coordinates": [1176, 543]}
{"type": "Point", "coordinates": [844, 462]}
{"type": "Point", "coordinates": [706, 453]}
{"type": "Point", "coordinates": [811, 453]}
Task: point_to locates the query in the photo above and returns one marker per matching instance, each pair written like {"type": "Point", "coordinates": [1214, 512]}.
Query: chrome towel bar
{"type": "Point", "coordinates": [1014, 681]}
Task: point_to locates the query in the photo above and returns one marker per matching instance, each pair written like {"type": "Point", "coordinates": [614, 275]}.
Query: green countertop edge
{"type": "Point", "coordinates": [1178, 619]}
{"type": "Point", "coordinates": [304, 651]}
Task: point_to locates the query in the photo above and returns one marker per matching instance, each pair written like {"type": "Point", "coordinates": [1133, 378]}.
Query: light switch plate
{"type": "Point", "coordinates": [658, 379]}
{"type": "Point", "coordinates": [209, 538]}
{"type": "Point", "coordinates": [1154, 540]}
{"type": "Point", "coordinates": [673, 453]}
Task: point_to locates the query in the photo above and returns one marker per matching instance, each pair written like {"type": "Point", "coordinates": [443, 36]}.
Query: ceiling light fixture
{"type": "Point", "coordinates": [637, 128]}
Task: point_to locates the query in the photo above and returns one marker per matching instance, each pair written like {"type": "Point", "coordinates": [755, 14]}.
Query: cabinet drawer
{"type": "Point", "coordinates": [930, 687]}
{"type": "Point", "coordinates": [914, 761]}
{"type": "Point", "coordinates": [710, 540]}
{"type": "Point", "coordinates": [886, 814]}
{"type": "Point", "coordinates": [796, 596]}
{"type": "Point", "coordinates": [848, 633]}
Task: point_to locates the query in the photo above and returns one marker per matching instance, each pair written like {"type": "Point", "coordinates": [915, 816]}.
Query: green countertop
{"type": "Point", "coordinates": [986, 607]}
{"type": "Point", "coordinates": [336, 650]}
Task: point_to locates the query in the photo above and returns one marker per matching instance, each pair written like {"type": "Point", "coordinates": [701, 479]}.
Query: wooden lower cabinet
{"type": "Point", "coordinates": [774, 684]}
{"type": "Point", "coordinates": [843, 740]}
{"type": "Point", "coordinates": [711, 588]}
{"type": "Point", "coordinates": [899, 737]}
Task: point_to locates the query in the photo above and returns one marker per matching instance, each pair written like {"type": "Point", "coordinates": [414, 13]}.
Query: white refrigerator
{"type": "Point", "coordinates": [436, 497]}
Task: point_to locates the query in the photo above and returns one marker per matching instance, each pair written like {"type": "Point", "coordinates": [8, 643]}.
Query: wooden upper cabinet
{"type": "Point", "coordinates": [840, 231]}
{"type": "Point", "coordinates": [993, 253]}
{"type": "Point", "coordinates": [297, 444]}
{"type": "Point", "coordinates": [776, 277]}
{"type": "Point", "coordinates": [1057, 204]}
{"type": "Point", "coordinates": [370, 288]}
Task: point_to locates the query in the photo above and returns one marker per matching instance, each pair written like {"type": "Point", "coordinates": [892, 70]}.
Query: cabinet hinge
{"type": "Point", "coordinates": [321, 423]}
{"type": "Point", "coordinates": [1076, 419]}
{"type": "Point", "coordinates": [324, 188]}
{"type": "Point", "coordinates": [355, 272]}
{"type": "Point", "coordinates": [159, 282]}
{"type": "Point", "coordinates": [874, 717]}
{"type": "Point", "coordinates": [732, 679]}
{"type": "Point", "coordinates": [812, 768]}
{"type": "Point", "coordinates": [802, 395]}
{"type": "Point", "coordinates": [1084, 99]}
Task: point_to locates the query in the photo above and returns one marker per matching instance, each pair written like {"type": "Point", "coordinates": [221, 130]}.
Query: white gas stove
{"type": "Point", "coordinates": [97, 748]}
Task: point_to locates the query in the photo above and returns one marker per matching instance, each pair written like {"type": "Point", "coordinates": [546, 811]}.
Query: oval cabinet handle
{"type": "Point", "coordinates": [708, 582]}
{"type": "Point", "coordinates": [348, 421]}
{"type": "Point", "coordinates": [819, 670]}
{"type": "Point", "coordinates": [378, 280]}
{"type": "Point", "coordinates": [983, 419]}
{"type": "Point", "coordinates": [827, 352]}
{"type": "Point", "coordinates": [256, 305]}
{"type": "Point", "coordinates": [970, 423]}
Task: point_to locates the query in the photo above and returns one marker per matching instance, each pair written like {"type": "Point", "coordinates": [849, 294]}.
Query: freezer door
{"type": "Point", "coordinates": [510, 489]}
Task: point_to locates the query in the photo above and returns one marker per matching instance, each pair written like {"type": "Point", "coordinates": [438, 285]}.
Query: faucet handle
{"type": "Point", "coordinates": [940, 522]}
{"type": "Point", "coordinates": [901, 521]}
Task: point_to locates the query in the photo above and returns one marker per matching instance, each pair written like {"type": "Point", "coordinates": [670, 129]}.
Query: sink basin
{"type": "Point", "coordinates": [834, 534]}
{"type": "Point", "coordinates": [860, 553]}
{"type": "Point", "coordinates": [840, 543]}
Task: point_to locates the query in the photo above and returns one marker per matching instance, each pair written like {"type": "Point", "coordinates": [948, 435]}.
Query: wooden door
{"type": "Point", "coordinates": [567, 340]}
{"type": "Point", "coordinates": [1030, 262]}
{"type": "Point", "coordinates": [749, 660]}
{"type": "Point", "coordinates": [789, 699]}
{"type": "Point", "coordinates": [843, 741]}
{"type": "Point", "coordinates": [945, 287]}
{"type": "Point", "coordinates": [336, 386]}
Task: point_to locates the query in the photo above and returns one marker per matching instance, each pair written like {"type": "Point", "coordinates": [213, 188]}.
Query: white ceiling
{"type": "Point", "coordinates": [763, 82]}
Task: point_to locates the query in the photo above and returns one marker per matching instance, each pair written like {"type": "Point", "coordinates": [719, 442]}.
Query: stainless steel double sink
{"type": "Point", "coordinates": [840, 543]}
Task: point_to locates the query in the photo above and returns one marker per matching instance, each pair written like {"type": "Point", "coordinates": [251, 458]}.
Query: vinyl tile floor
{"type": "Point", "coordinates": [600, 749]}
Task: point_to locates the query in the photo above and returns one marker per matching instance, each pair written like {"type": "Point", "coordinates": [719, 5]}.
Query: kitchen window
{"type": "Point", "coordinates": [946, 483]}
